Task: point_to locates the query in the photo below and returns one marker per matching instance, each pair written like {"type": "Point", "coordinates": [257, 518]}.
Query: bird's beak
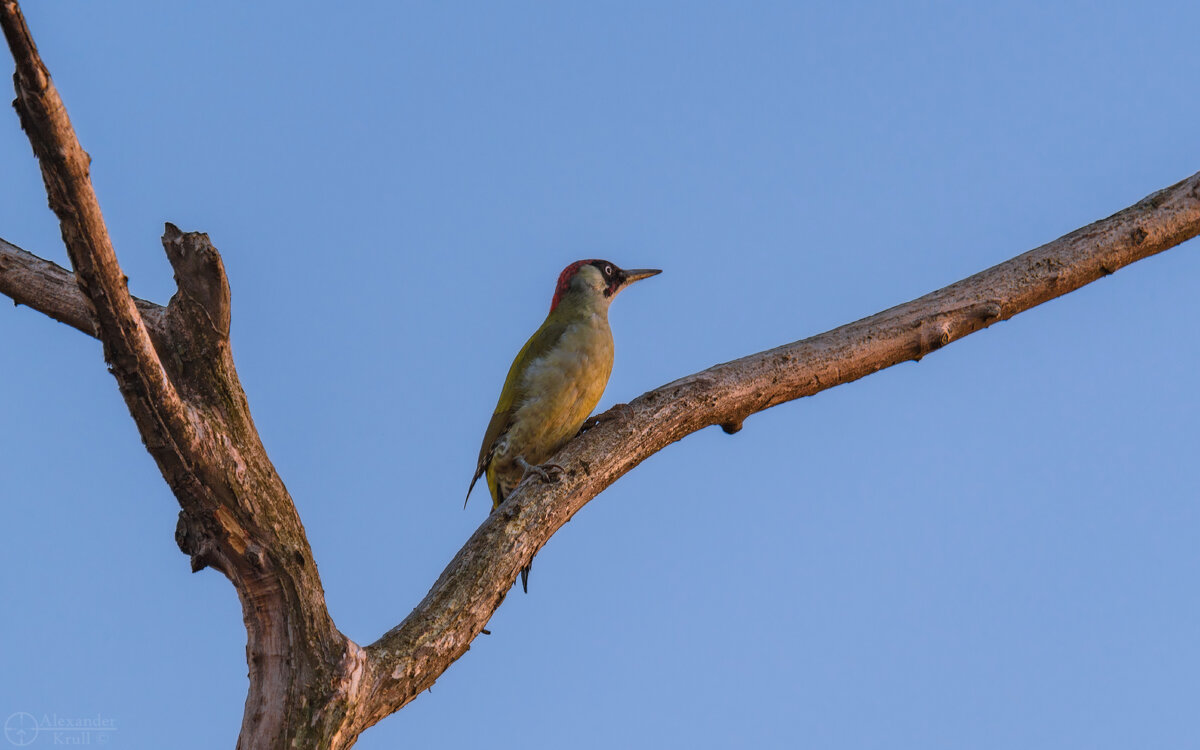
{"type": "Point", "coordinates": [638, 274]}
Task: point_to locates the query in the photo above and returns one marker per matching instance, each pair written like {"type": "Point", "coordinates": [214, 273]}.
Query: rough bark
{"type": "Point", "coordinates": [183, 392]}
{"type": "Point", "coordinates": [310, 686]}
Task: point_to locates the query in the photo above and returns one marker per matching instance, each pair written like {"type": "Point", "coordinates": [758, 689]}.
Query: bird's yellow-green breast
{"type": "Point", "coordinates": [552, 387]}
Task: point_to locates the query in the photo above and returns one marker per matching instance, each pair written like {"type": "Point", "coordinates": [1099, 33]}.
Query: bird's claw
{"type": "Point", "coordinates": [547, 472]}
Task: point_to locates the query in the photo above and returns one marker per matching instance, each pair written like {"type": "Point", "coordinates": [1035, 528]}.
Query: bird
{"type": "Point", "coordinates": [555, 381]}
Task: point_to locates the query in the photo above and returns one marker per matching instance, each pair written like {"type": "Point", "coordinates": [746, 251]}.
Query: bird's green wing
{"type": "Point", "coordinates": [511, 396]}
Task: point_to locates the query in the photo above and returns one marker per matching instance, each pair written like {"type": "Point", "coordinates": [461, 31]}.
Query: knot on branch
{"type": "Point", "coordinates": [200, 310]}
{"type": "Point", "coordinates": [733, 427]}
{"type": "Point", "coordinates": [195, 543]}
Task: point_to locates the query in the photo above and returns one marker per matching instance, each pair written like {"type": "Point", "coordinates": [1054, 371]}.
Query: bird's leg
{"type": "Point", "coordinates": [548, 472]}
{"type": "Point", "coordinates": [617, 410]}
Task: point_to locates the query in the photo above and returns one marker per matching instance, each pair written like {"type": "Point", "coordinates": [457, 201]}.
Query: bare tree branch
{"type": "Point", "coordinates": [411, 656]}
{"type": "Point", "coordinates": [50, 289]}
{"type": "Point", "coordinates": [127, 345]}
{"type": "Point", "coordinates": [310, 686]}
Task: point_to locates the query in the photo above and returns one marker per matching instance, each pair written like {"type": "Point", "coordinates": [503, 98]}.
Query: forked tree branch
{"type": "Point", "coordinates": [310, 686]}
{"type": "Point", "coordinates": [182, 390]}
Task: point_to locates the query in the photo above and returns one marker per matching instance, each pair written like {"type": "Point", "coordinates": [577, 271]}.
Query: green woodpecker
{"type": "Point", "coordinates": [555, 381]}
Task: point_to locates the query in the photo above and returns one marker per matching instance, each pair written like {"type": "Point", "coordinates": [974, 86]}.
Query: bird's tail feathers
{"type": "Point", "coordinates": [474, 479]}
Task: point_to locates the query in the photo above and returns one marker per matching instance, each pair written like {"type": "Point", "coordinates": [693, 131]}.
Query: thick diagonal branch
{"type": "Point", "coordinates": [127, 343]}
{"type": "Point", "coordinates": [410, 657]}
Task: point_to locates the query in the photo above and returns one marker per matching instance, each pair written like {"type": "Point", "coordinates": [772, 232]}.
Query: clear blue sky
{"type": "Point", "coordinates": [994, 548]}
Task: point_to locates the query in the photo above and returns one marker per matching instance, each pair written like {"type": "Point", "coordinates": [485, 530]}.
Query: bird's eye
{"type": "Point", "coordinates": [608, 271]}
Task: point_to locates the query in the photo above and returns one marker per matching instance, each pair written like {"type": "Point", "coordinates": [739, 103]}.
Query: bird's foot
{"type": "Point", "coordinates": [617, 410]}
{"type": "Point", "coordinates": [548, 472]}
